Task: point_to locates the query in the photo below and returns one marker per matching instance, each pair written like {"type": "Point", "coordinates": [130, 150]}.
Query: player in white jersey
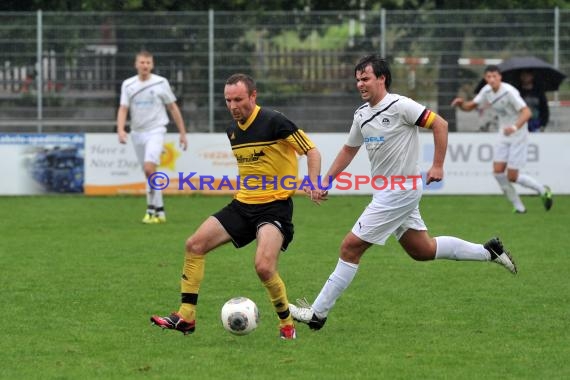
{"type": "Point", "coordinates": [147, 96]}
{"type": "Point", "coordinates": [511, 147]}
{"type": "Point", "coordinates": [388, 126]}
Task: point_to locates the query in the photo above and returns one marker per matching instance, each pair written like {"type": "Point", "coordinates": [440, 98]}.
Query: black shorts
{"type": "Point", "coordinates": [242, 220]}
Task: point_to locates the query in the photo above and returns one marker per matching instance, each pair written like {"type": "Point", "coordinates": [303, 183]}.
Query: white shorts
{"type": "Point", "coordinates": [392, 214]}
{"type": "Point", "coordinates": [512, 151]}
{"type": "Point", "coordinates": [149, 145]}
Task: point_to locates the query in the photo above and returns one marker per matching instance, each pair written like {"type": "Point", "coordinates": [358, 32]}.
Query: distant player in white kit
{"type": "Point", "coordinates": [511, 148]}
{"type": "Point", "coordinates": [388, 126]}
{"type": "Point", "coordinates": [147, 96]}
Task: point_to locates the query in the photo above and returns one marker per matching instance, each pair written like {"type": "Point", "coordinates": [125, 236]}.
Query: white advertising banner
{"type": "Point", "coordinates": [209, 165]}
{"type": "Point", "coordinates": [468, 164]}
{"type": "Point", "coordinates": [112, 168]}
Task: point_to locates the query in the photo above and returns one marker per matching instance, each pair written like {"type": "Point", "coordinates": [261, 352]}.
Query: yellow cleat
{"type": "Point", "coordinates": [159, 219]}
{"type": "Point", "coordinates": [149, 219]}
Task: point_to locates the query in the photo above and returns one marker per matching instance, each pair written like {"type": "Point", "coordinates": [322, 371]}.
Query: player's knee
{"type": "Point", "coordinates": [264, 270]}
{"type": "Point", "coordinates": [424, 251]}
{"type": "Point", "coordinates": [149, 168]}
{"type": "Point", "coordinates": [194, 245]}
{"type": "Point", "coordinates": [148, 172]}
{"type": "Point", "coordinates": [349, 254]}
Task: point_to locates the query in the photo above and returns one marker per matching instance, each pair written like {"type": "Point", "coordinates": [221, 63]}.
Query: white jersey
{"type": "Point", "coordinates": [146, 100]}
{"type": "Point", "coordinates": [389, 131]}
{"type": "Point", "coordinates": [507, 104]}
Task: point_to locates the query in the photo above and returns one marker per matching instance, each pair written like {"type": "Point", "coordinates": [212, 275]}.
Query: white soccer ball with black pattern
{"type": "Point", "coordinates": [240, 316]}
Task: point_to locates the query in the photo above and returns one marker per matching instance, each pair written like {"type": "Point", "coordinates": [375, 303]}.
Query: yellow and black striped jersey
{"type": "Point", "coordinates": [266, 148]}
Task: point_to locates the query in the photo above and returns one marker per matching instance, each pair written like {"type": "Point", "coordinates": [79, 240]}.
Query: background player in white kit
{"type": "Point", "coordinates": [510, 151]}
{"type": "Point", "coordinates": [147, 96]}
{"type": "Point", "coordinates": [387, 125]}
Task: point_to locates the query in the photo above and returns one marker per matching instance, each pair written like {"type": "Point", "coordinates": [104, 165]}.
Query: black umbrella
{"type": "Point", "coordinates": [545, 75]}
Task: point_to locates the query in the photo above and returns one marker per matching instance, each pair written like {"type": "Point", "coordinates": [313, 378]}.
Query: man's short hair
{"type": "Point", "coordinates": [379, 66]}
{"type": "Point", "coordinates": [143, 53]}
{"type": "Point", "coordinates": [245, 79]}
{"type": "Point", "coordinates": [492, 69]}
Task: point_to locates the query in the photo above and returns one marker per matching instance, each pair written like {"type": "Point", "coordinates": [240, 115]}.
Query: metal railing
{"type": "Point", "coordinates": [63, 71]}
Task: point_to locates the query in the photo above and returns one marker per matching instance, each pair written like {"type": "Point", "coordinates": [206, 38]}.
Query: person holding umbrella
{"type": "Point", "coordinates": [533, 77]}
{"type": "Point", "coordinates": [510, 150]}
{"type": "Point", "coordinates": [535, 98]}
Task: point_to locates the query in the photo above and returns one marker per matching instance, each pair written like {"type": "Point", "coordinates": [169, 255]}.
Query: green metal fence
{"type": "Point", "coordinates": [62, 71]}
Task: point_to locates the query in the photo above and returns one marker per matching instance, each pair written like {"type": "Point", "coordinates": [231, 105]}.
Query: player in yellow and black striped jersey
{"type": "Point", "coordinates": [265, 144]}
{"type": "Point", "coordinates": [266, 147]}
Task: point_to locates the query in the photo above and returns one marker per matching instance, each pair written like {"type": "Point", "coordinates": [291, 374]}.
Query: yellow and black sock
{"type": "Point", "coordinates": [278, 296]}
{"type": "Point", "coordinates": [192, 276]}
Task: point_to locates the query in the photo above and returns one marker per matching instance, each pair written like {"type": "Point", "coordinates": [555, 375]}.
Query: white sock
{"type": "Point", "coordinates": [158, 202]}
{"type": "Point", "coordinates": [452, 248]}
{"type": "Point", "coordinates": [338, 281]}
{"type": "Point", "coordinates": [149, 199]}
{"type": "Point", "coordinates": [531, 183]}
{"type": "Point", "coordinates": [509, 191]}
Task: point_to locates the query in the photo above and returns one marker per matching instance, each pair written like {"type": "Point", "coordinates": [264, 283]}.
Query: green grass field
{"type": "Point", "coordinates": [81, 276]}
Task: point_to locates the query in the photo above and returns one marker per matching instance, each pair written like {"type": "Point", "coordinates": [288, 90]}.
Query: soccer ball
{"type": "Point", "coordinates": [240, 316]}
